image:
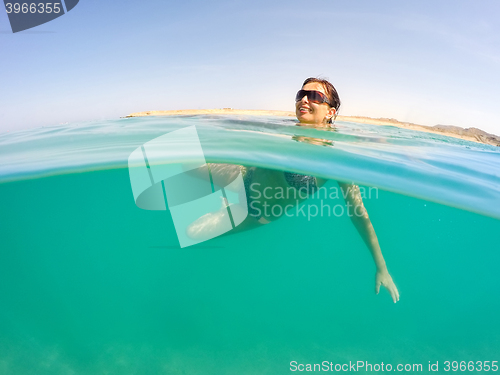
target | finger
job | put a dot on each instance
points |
(394, 293)
(394, 297)
(377, 287)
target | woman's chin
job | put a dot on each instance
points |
(304, 118)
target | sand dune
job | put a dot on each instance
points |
(469, 134)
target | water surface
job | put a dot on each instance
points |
(91, 284)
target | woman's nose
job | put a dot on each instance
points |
(304, 99)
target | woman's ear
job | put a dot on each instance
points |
(331, 113)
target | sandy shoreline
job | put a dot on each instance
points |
(469, 134)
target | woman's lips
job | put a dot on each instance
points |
(304, 110)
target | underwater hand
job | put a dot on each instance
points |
(383, 278)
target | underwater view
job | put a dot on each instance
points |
(91, 283)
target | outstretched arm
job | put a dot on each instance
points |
(360, 219)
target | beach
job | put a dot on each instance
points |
(468, 134)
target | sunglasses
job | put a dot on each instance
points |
(313, 96)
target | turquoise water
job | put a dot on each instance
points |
(91, 284)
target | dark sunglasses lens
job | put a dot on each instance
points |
(316, 96)
(312, 96)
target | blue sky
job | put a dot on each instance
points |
(427, 62)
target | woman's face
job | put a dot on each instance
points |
(313, 113)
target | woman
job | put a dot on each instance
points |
(317, 105)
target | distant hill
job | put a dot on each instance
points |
(469, 134)
(479, 134)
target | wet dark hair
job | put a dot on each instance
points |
(331, 93)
